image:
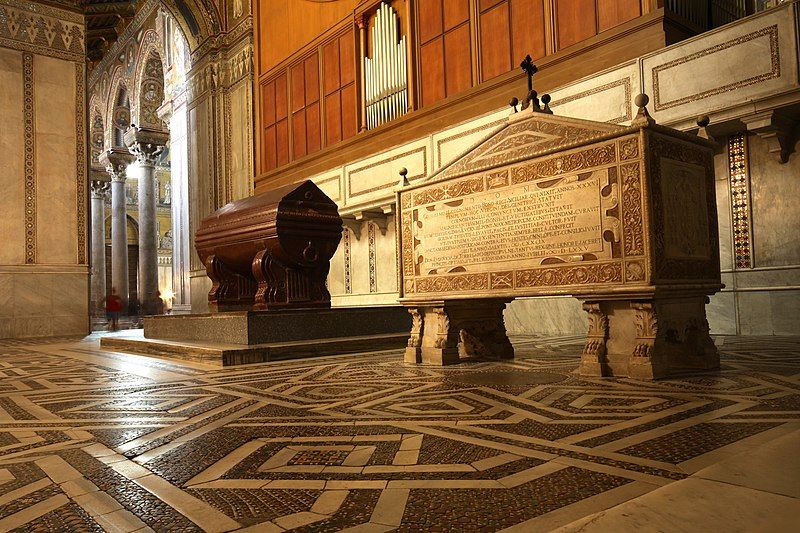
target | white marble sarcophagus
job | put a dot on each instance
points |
(622, 218)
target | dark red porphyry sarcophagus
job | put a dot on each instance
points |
(271, 250)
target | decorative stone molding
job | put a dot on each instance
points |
(777, 129)
(379, 216)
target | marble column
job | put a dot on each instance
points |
(173, 112)
(116, 162)
(147, 145)
(100, 189)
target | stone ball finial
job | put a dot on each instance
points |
(703, 121)
(641, 100)
(513, 102)
(545, 99)
(403, 171)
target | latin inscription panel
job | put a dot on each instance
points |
(513, 226)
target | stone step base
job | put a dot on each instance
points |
(241, 354)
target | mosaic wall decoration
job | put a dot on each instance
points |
(741, 216)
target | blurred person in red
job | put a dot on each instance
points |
(113, 309)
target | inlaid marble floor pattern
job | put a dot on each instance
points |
(92, 440)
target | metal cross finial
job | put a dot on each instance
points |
(530, 69)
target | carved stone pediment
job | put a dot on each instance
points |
(525, 136)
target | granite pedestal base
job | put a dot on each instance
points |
(258, 336)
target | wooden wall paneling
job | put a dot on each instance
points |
(457, 60)
(432, 76)
(349, 111)
(282, 119)
(333, 118)
(454, 13)
(495, 37)
(611, 13)
(409, 28)
(313, 128)
(576, 20)
(298, 95)
(429, 22)
(347, 52)
(299, 134)
(528, 32)
(330, 67)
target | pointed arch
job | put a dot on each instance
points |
(198, 19)
(118, 109)
(148, 82)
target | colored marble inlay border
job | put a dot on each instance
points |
(373, 258)
(30, 158)
(348, 285)
(740, 201)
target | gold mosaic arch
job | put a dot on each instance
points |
(118, 79)
(207, 19)
(151, 43)
(150, 47)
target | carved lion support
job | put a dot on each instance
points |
(444, 333)
(593, 358)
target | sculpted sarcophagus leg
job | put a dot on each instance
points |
(270, 251)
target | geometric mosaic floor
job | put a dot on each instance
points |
(93, 440)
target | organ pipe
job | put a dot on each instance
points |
(385, 73)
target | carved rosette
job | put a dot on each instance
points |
(646, 322)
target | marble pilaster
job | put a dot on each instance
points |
(116, 161)
(147, 144)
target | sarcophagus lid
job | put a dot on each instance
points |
(271, 250)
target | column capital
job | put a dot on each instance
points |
(100, 187)
(116, 161)
(145, 143)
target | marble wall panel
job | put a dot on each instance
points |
(606, 96)
(454, 142)
(373, 179)
(721, 313)
(6, 296)
(774, 190)
(12, 185)
(331, 184)
(56, 180)
(546, 316)
(200, 285)
(386, 260)
(723, 68)
(240, 168)
(770, 277)
(40, 303)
